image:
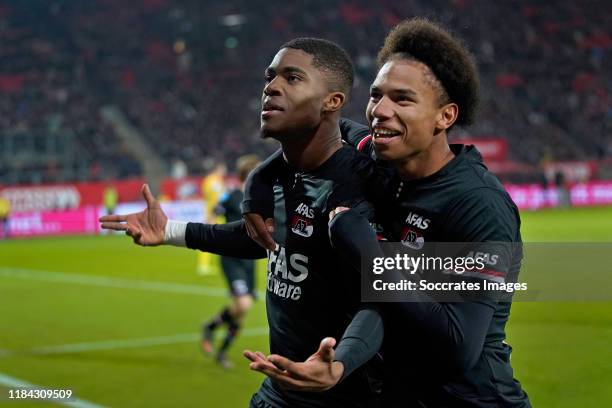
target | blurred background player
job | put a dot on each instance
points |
(5, 212)
(111, 197)
(240, 273)
(213, 188)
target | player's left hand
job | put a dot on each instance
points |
(318, 373)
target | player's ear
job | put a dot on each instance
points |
(334, 101)
(447, 115)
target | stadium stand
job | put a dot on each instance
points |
(188, 75)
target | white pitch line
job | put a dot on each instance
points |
(13, 382)
(113, 282)
(125, 343)
(115, 344)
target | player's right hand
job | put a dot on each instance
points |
(259, 230)
(318, 373)
(147, 228)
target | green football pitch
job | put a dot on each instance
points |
(119, 325)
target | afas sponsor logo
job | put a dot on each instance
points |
(489, 259)
(411, 236)
(296, 270)
(305, 211)
(301, 223)
(380, 231)
(286, 273)
(416, 220)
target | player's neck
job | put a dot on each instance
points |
(427, 162)
(310, 151)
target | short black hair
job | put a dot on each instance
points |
(330, 57)
(444, 54)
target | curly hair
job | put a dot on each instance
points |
(446, 56)
(329, 57)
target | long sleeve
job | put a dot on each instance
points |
(364, 335)
(458, 329)
(361, 340)
(229, 239)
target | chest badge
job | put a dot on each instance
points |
(302, 221)
(412, 238)
(302, 226)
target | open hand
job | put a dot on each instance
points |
(318, 373)
(147, 228)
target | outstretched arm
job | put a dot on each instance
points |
(229, 239)
(151, 227)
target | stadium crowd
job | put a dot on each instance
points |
(188, 74)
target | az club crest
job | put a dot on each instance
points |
(412, 239)
(301, 226)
